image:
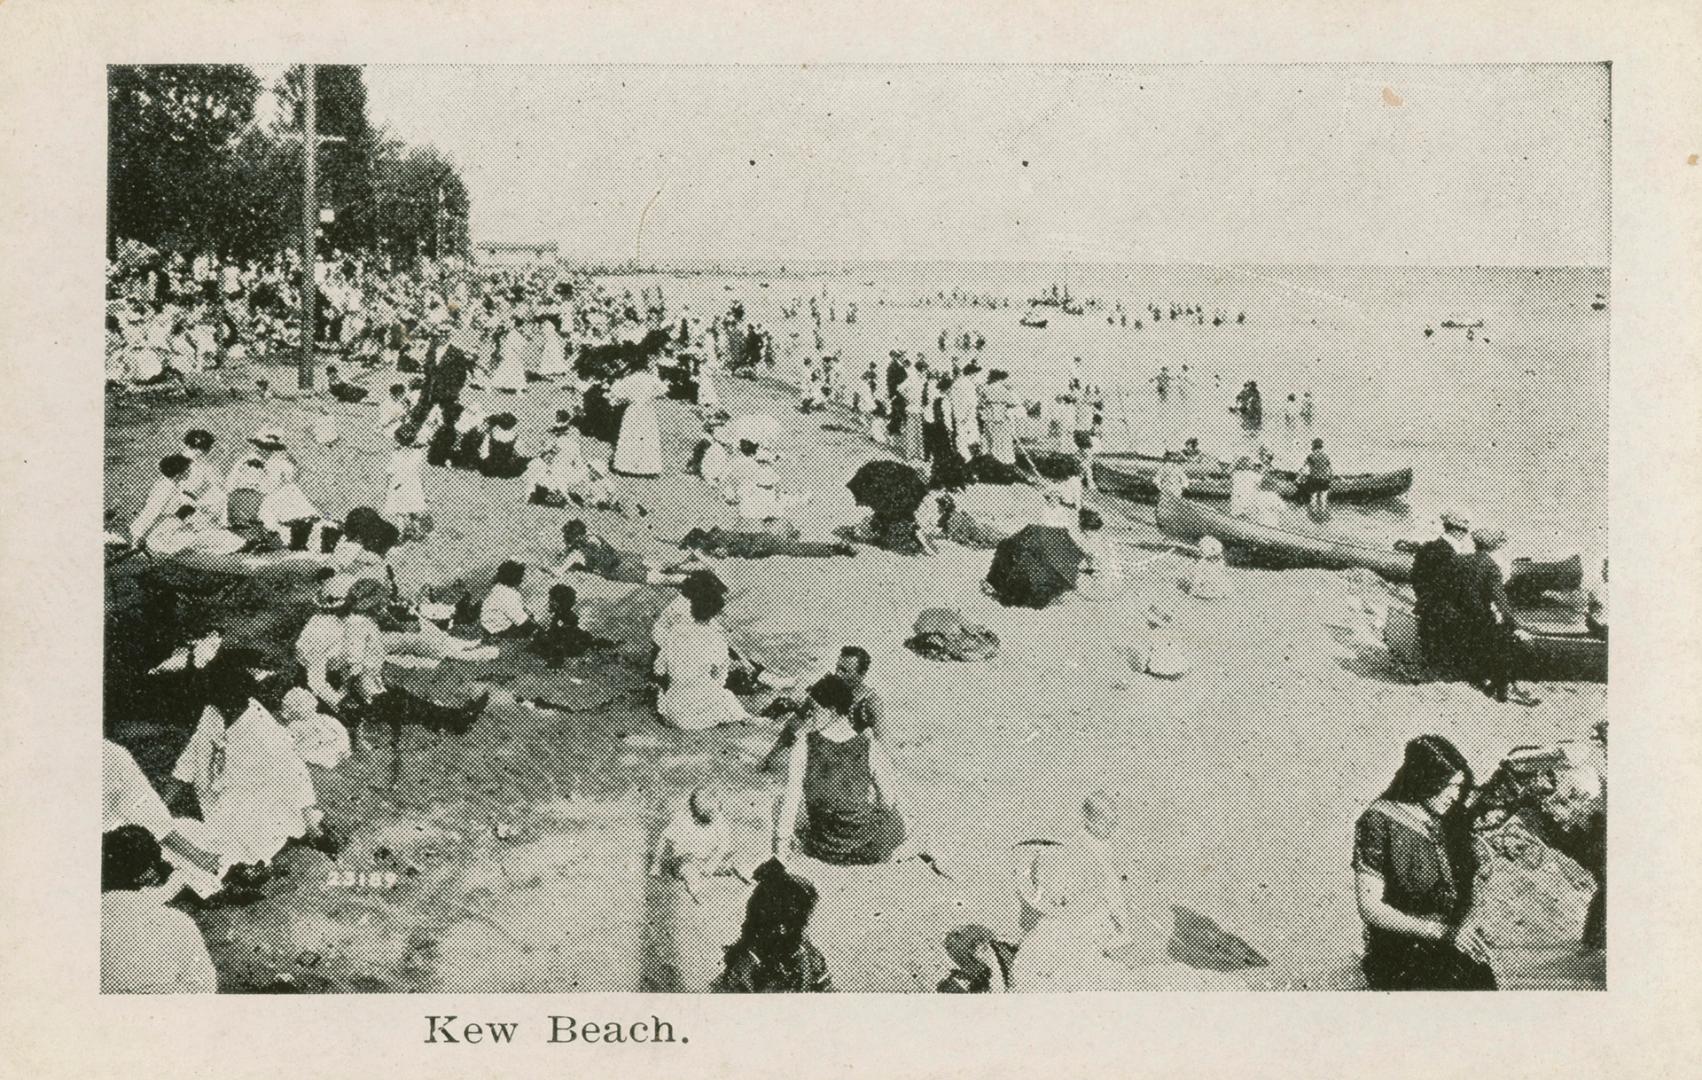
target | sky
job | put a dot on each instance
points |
(1294, 164)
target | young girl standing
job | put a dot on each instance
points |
(405, 499)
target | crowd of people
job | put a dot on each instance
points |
(417, 342)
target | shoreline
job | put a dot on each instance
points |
(1241, 780)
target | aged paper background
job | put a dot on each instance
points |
(52, 147)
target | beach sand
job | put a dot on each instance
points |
(519, 848)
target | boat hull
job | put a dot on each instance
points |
(1278, 547)
(1545, 657)
(1135, 476)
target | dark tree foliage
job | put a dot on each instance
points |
(170, 157)
(189, 170)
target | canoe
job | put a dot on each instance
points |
(1135, 476)
(1249, 543)
(1549, 656)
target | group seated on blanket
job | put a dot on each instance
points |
(891, 531)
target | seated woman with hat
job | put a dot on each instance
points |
(560, 475)
(184, 512)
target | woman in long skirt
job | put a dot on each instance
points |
(510, 374)
(638, 450)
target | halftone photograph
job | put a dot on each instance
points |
(963, 529)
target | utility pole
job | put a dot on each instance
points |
(309, 226)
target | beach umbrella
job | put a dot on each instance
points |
(1035, 565)
(889, 488)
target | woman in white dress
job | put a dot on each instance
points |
(638, 451)
(253, 787)
(511, 348)
(694, 658)
(185, 511)
(708, 398)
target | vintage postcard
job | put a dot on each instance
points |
(620, 532)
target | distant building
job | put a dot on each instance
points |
(494, 253)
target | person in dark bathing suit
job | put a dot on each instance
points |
(841, 799)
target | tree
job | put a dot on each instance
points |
(170, 137)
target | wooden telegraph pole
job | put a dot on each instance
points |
(309, 225)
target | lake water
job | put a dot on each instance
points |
(1512, 424)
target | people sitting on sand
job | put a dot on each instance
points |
(346, 392)
(129, 799)
(559, 637)
(694, 659)
(503, 615)
(841, 800)
(145, 946)
(591, 554)
(1078, 879)
(709, 460)
(966, 530)
(185, 512)
(1413, 861)
(339, 667)
(867, 712)
(253, 788)
(696, 846)
(319, 738)
(561, 475)
(364, 539)
(471, 430)
(773, 954)
(1210, 578)
(983, 962)
(501, 460)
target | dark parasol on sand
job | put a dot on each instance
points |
(889, 488)
(1034, 566)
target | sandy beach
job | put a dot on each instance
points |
(519, 848)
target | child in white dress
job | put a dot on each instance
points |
(404, 499)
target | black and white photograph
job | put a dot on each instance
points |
(880, 528)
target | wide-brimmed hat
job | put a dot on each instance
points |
(268, 438)
(1456, 519)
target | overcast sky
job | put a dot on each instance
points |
(1331, 164)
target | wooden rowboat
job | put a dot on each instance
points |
(1135, 477)
(1249, 543)
(1547, 656)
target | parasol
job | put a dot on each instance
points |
(1034, 566)
(889, 488)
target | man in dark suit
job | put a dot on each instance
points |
(1493, 636)
(1436, 592)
